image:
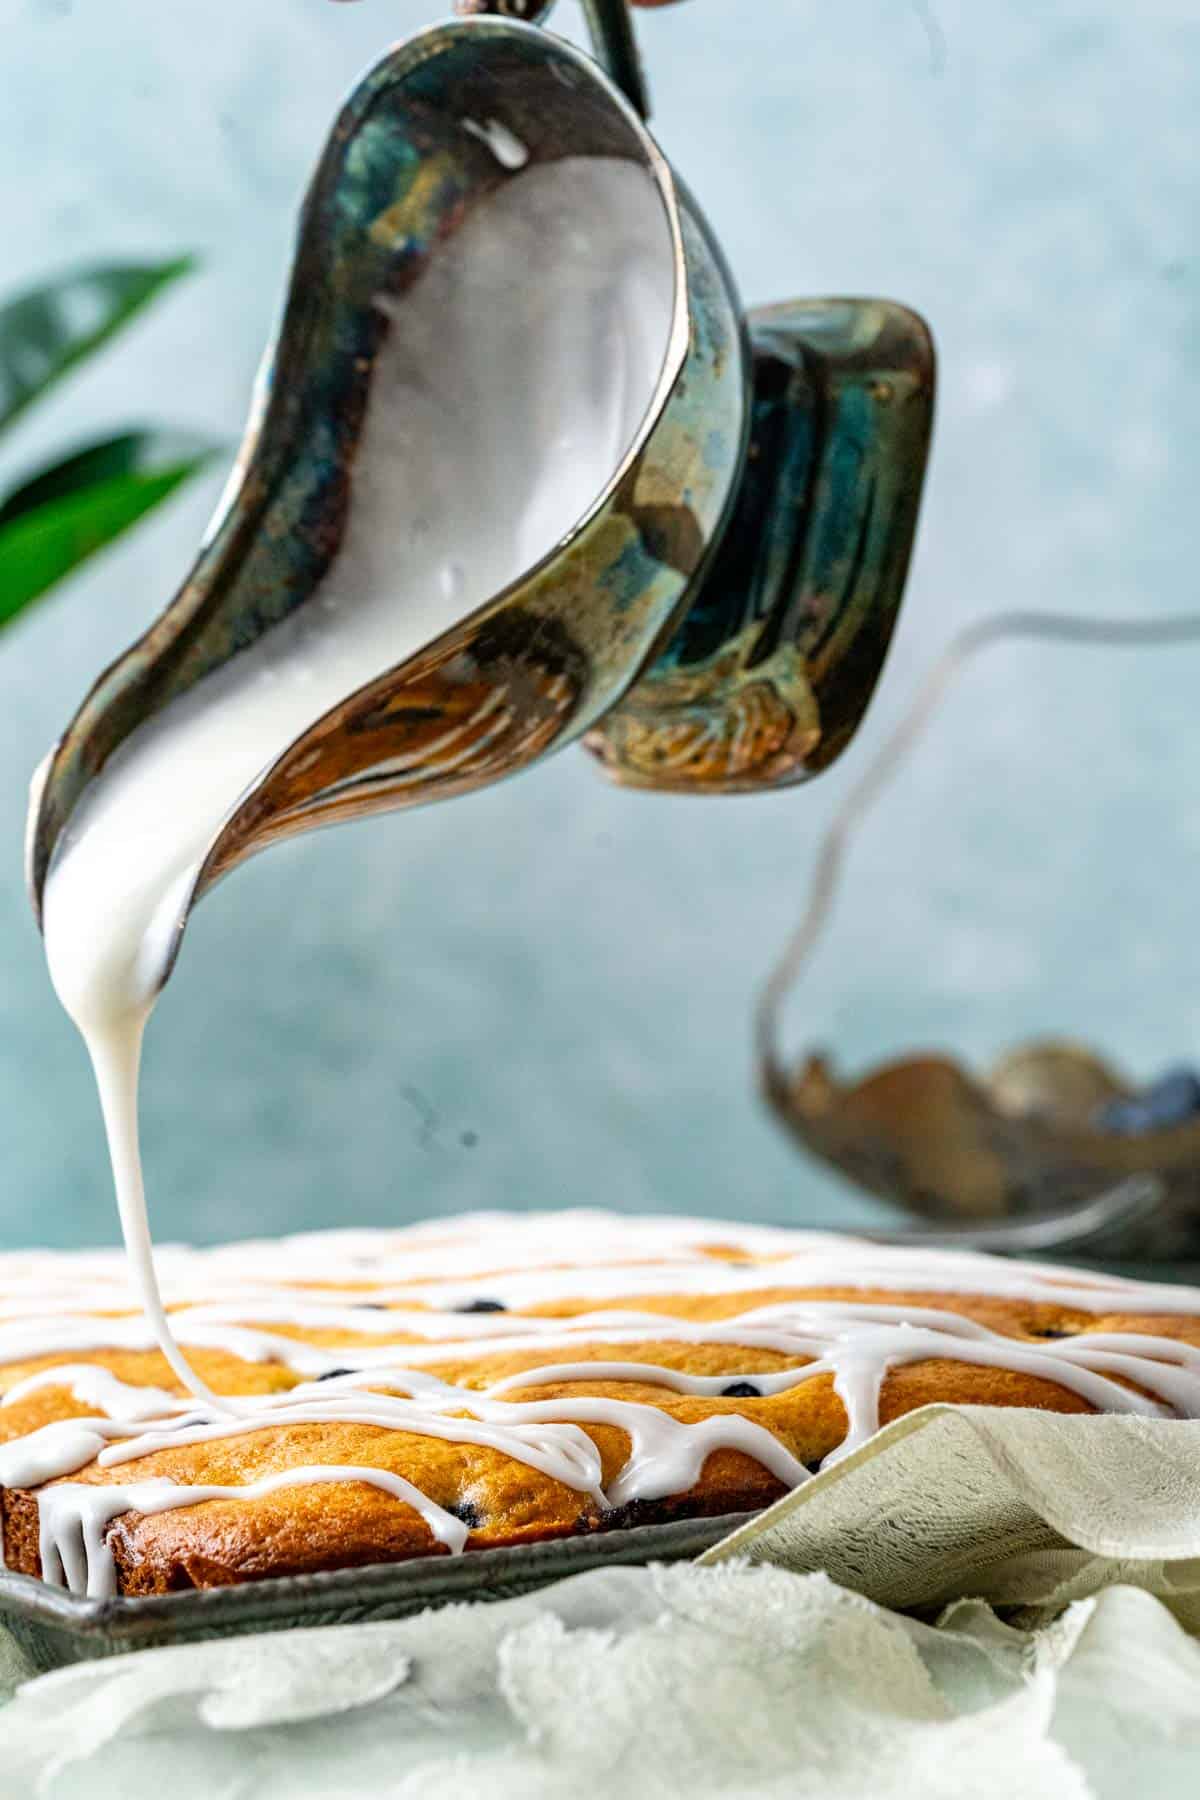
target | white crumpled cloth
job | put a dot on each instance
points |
(1025, 1509)
(741, 1677)
(655, 1682)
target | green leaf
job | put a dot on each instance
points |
(141, 452)
(64, 515)
(46, 331)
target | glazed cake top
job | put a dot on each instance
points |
(357, 1323)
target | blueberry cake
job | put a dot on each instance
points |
(368, 1396)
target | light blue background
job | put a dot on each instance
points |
(561, 968)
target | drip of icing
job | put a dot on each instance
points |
(115, 1050)
(75, 1516)
(493, 427)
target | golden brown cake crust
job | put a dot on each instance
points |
(500, 1499)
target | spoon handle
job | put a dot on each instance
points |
(1115, 1220)
(616, 50)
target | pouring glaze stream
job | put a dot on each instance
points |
(496, 448)
(502, 322)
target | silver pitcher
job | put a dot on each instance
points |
(716, 618)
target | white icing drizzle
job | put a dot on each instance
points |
(221, 1302)
(52, 1451)
(93, 1385)
(74, 1517)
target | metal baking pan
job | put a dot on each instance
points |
(52, 1628)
